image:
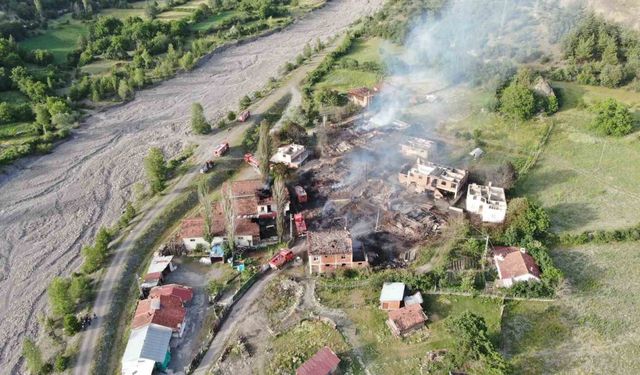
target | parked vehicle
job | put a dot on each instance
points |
(251, 160)
(221, 149)
(208, 165)
(244, 116)
(283, 257)
(301, 225)
(301, 194)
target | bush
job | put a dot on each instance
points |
(71, 324)
(517, 101)
(61, 363)
(612, 118)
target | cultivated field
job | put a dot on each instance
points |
(591, 330)
(60, 38)
(52, 205)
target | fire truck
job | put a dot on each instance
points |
(251, 160)
(221, 149)
(281, 258)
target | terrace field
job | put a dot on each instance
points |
(594, 322)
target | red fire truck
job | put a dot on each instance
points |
(281, 258)
(221, 149)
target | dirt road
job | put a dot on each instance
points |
(51, 205)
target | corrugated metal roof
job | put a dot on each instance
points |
(148, 342)
(392, 292)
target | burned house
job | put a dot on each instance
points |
(418, 148)
(487, 201)
(253, 199)
(426, 176)
(293, 155)
(331, 250)
(361, 96)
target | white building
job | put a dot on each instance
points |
(487, 201)
(292, 155)
(147, 349)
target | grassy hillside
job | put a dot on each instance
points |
(592, 330)
(586, 181)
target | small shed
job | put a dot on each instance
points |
(324, 362)
(217, 253)
(476, 153)
(391, 296)
(406, 320)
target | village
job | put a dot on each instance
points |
(353, 203)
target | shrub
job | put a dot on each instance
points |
(71, 324)
(612, 118)
(517, 101)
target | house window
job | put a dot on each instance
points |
(192, 239)
(316, 258)
(443, 182)
(454, 185)
(343, 265)
(343, 257)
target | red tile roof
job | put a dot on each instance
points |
(246, 227)
(512, 262)
(164, 310)
(192, 228)
(322, 363)
(408, 317)
(184, 293)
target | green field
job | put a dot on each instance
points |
(586, 181)
(136, 10)
(593, 329)
(301, 342)
(371, 50)
(60, 38)
(213, 20)
(100, 66)
(387, 354)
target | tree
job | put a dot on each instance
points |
(505, 175)
(207, 206)
(43, 118)
(151, 9)
(472, 341)
(281, 197)
(71, 324)
(124, 90)
(612, 118)
(32, 356)
(39, 8)
(518, 102)
(59, 299)
(611, 75)
(229, 216)
(526, 222)
(245, 102)
(79, 288)
(61, 363)
(156, 169)
(199, 123)
(187, 61)
(610, 52)
(264, 149)
(231, 116)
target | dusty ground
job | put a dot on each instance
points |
(195, 275)
(53, 204)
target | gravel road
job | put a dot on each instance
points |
(51, 205)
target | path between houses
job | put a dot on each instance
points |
(153, 210)
(228, 326)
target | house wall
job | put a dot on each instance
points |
(477, 205)
(244, 241)
(424, 183)
(507, 283)
(331, 263)
(390, 305)
(191, 243)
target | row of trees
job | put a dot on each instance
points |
(520, 101)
